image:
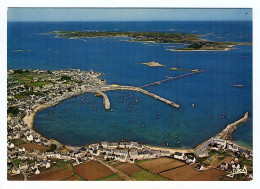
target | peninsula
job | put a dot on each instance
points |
(193, 42)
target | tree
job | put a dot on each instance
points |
(52, 148)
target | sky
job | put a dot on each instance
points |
(123, 14)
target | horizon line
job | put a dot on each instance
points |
(132, 21)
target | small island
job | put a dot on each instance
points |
(238, 85)
(153, 64)
(194, 43)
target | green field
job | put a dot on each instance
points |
(38, 84)
(17, 162)
(147, 176)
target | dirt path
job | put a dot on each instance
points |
(122, 175)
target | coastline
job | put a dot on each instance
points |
(29, 119)
(172, 150)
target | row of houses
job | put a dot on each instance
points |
(218, 144)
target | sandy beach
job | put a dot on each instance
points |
(28, 119)
(172, 150)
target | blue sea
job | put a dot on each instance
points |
(135, 116)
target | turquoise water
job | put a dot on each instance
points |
(135, 116)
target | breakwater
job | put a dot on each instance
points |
(106, 101)
(138, 89)
(172, 78)
(226, 133)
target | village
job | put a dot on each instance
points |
(32, 157)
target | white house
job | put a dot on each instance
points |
(57, 155)
(223, 166)
(95, 152)
(180, 156)
(50, 154)
(23, 166)
(22, 156)
(16, 136)
(79, 161)
(106, 150)
(216, 147)
(140, 146)
(236, 166)
(199, 167)
(117, 152)
(128, 145)
(166, 153)
(104, 144)
(112, 145)
(109, 156)
(21, 149)
(191, 160)
(46, 164)
(133, 144)
(157, 153)
(37, 139)
(232, 147)
(121, 158)
(10, 145)
(143, 154)
(121, 144)
(29, 137)
(133, 154)
(15, 171)
(36, 171)
(220, 142)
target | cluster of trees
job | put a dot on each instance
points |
(13, 110)
(52, 148)
(64, 77)
(20, 71)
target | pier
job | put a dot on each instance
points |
(106, 101)
(138, 89)
(172, 78)
(225, 134)
(101, 90)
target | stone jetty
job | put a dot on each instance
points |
(226, 133)
(138, 89)
(106, 101)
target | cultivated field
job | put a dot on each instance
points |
(32, 146)
(92, 170)
(209, 175)
(161, 164)
(56, 174)
(114, 177)
(72, 178)
(144, 175)
(14, 177)
(128, 168)
(181, 173)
